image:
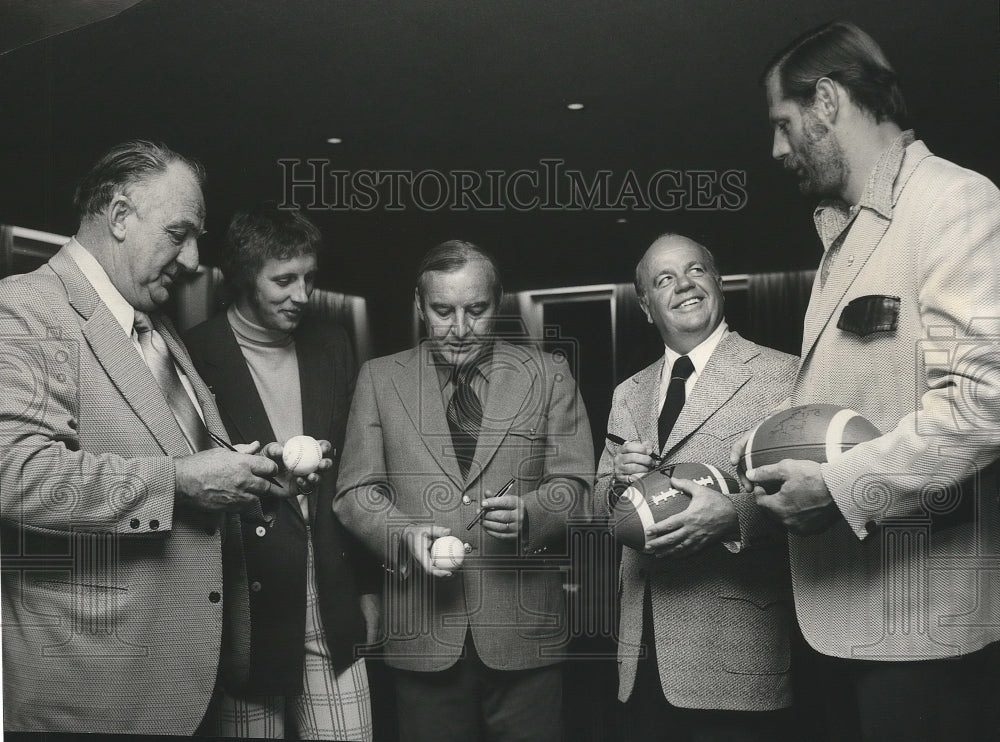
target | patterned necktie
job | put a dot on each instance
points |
(675, 397)
(161, 363)
(465, 418)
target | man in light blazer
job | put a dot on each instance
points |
(434, 433)
(112, 507)
(894, 546)
(704, 630)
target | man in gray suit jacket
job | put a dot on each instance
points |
(434, 432)
(112, 510)
(704, 632)
(895, 545)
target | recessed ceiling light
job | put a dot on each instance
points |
(621, 220)
(334, 140)
(574, 106)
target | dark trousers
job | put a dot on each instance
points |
(650, 716)
(921, 701)
(469, 702)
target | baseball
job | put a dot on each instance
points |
(448, 552)
(301, 455)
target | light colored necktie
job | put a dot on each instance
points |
(161, 363)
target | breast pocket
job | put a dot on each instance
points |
(527, 447)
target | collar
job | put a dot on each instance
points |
(256, 334)
(833, 216)
(700, 354)
(94, 272)
(478, 366)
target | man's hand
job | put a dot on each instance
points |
(803, 504)
(709, 519)
(632, 459)
(505, 516)
(303, 485)
(220, 480)
(418, 539)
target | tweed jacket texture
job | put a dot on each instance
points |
(910, 571)
(721, 620)
(399, 467)
(112, 597)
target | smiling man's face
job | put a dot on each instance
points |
(682, 291)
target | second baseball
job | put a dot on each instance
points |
(301, 454)
(448, 552)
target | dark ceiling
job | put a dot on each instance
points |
(476, 86)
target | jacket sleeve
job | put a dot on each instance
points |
(48, 483)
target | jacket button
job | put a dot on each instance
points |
(255, 586)
(261, 531)
(466, 500)
(134, 523)
(214, 597)
(468, 547)
(154, 524)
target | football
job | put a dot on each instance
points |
(815, 432)
(651, 498)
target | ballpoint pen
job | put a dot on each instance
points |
(222, 442)
(479, 516)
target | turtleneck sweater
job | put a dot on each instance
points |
(274, 366)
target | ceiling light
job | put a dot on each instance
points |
(334, 140)
(574, 106)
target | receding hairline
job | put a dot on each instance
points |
(706, 254)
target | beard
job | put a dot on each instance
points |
(820, 162)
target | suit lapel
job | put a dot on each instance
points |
(416, 382)
(317, 369)
(724, 374)
(119, 358)
(239, 398)
(205, 399)
(642, 399)
(864, 236)
(510, 381)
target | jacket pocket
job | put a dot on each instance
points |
(867, 315)
(754, 634)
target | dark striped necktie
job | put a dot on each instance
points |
(674, 401)
(465, 418)
(161, 363)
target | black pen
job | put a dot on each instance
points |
(479, 517)
(222, 442)
(657, 459)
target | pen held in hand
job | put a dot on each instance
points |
(482, 513)
(225, 444)
(618, 440)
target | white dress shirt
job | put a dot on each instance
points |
(699, 356)
(119, 307)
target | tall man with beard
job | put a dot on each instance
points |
(894, 546)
